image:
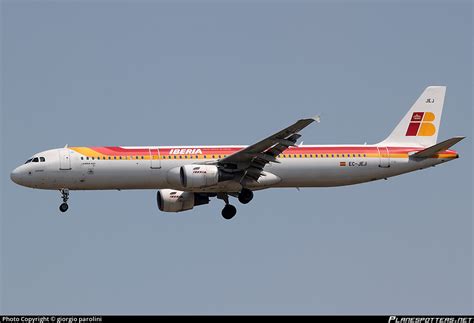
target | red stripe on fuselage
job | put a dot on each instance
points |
(120, 151)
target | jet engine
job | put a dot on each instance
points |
(177, 201)
(197, 176)
(194, 176)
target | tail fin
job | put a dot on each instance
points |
(420, 125)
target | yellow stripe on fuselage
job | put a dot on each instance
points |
(88, 152)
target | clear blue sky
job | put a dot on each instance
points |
(186, 73)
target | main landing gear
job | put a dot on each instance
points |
(65, 196)
(245, 196)
(229, 211)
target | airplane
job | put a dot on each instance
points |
(188, 176)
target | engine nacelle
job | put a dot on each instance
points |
(195, 176)
(177, 201)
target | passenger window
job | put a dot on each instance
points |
(82, 158)
(42, 159)
(87, 158)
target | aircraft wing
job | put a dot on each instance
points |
(253, 158)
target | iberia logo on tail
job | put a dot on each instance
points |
(421, 124)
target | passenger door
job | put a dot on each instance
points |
(384, 157)
(64, 159)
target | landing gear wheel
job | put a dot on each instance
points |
(65, 197)
(63, 207)
(229, 211)
(245, 196)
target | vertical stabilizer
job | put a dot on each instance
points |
(420, 125)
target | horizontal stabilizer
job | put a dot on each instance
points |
(433, 150)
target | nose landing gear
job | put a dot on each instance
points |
(65, 196)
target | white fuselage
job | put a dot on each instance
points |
(81, 168)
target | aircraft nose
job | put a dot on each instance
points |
(16, 175)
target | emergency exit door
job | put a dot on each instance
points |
(155, 158)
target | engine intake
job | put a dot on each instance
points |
(178, 201)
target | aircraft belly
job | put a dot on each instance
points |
(329, 172)
(293, 173)
(115, 175)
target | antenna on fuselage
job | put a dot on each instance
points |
(65, 146)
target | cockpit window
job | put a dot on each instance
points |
(29, 160)
(42, 159)
(35, 160)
